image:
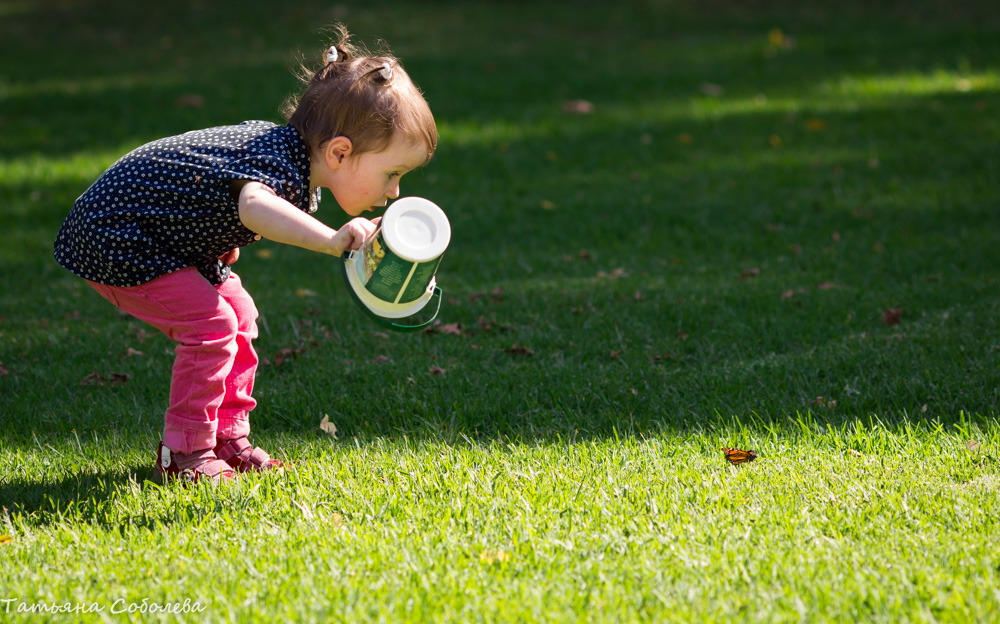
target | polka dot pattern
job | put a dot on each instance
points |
(167, 205)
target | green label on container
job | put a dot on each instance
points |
(421, 277)
(391, 278)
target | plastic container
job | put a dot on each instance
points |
(392, 275)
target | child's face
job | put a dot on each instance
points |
(363, 182)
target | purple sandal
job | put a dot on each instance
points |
(244, 457)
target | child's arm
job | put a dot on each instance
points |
(263, 212)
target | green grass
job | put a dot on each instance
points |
(704, 260)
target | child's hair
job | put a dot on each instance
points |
(368, 99)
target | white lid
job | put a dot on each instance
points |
(415, 229)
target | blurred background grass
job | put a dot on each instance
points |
(665, 214)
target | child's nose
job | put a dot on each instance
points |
(394, 192)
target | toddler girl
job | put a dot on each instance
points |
(157, 233)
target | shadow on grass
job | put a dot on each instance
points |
(86, 493)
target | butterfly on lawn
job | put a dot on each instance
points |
(737, 456)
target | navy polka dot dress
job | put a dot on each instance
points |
(167, 205)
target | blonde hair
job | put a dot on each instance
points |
(367, 98)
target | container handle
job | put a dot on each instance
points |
(409, 328)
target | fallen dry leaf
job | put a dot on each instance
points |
(659, 358)
(578, 107)
(815, 124)
(452, 329)
(615, 274)
(826, 286)
(548, 205)
(304, 292)
(94, 379)
(286, 353)
(6, 539)
(378, 359)
(328, 427)
(3, 370)
(892, 316)
(711, 89)
(517, 349)
(436, 370)
(132, 352)
(264, 254)
(972, 445)
(754, 272)
(191, 100)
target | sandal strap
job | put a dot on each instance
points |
(240, 454)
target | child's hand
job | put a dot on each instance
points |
(230, 256)
(353, 234)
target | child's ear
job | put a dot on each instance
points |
(336, 151)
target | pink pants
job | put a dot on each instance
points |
(215, 363)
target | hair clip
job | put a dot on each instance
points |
(332, 55)
(386, 71)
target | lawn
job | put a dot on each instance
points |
(677, 226)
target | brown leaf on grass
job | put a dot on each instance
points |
(190, 100)
(826, 286)
(578, 107)
(476, 295)
(585, 255)
(452, 329)
(711, 89)
(754, 272)
(892, 316)
(638, 296)
(133, 352)
(95, 379)
(436, 370)
(614, 274)
(517, 349)
(4, 370)
(285, 354)
(972, 445)
(822, 402)
(816, 124)
(382, 335)
(497, 294)
(486, 324)
(379, 359)
(615, 354)
(328, 427)
(659, 358)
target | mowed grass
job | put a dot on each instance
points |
(705, 259)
